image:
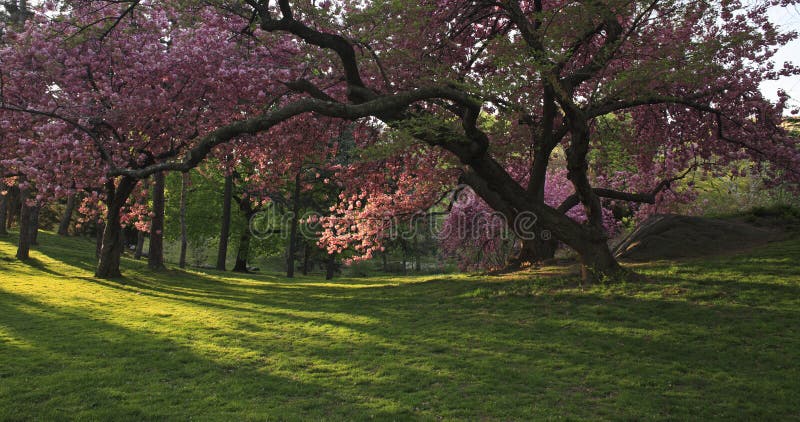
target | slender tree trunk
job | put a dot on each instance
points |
(34, 225)
(13, 208)
(292, 248)
(3, 213)
(141, 235)
(405, 260)
(385, 261)
(137, 253)
(330, 267)
(184, 240)
(99, 239)
(244, 248)
(306, 257)
(63, 226)
(243, 252)
(111, 249)
(155, 255)
(416, 256)
(24, 246)
(225, 227)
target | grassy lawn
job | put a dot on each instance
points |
(714, 338)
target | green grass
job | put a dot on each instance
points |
(715, 338)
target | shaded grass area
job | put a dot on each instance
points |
(713, 338)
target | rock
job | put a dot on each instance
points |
(669, 236)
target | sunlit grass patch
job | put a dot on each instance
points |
(711, 338)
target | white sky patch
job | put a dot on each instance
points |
(788, 19)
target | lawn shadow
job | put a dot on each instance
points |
(679, 346)
(69, 353)
(37, 264)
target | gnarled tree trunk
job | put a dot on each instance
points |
(490, 181)
(597, 262)
(540, 246)
(534, 251)
(111, 248)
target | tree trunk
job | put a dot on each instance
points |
(493, 184)
(306, 257)
(537, 249)
(533, 251)
(330, 267)
(111, 249)
(155, 254)
(225, 227)
(34, 225)
(244, 249)
(137, 253)
(123, 236)
(3, 213)
(416, 255)
(99, 229)
(24, 246)
(405, 260)
(184, 240)
(598, 263)
(292, 247)
(63, 226)
(385, 261)
(13, 207)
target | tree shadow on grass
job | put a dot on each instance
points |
(37, 264)
(632, 352)
(481, 355)
(616, 338)
(60, 362)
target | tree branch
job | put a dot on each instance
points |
(338, 44)
(645, 197)
(388, 105)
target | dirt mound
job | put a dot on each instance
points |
(671, 236)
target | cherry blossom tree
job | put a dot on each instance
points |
(80, 99)
(558, 70)
(443, 76)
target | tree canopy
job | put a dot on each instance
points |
(524, 102)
